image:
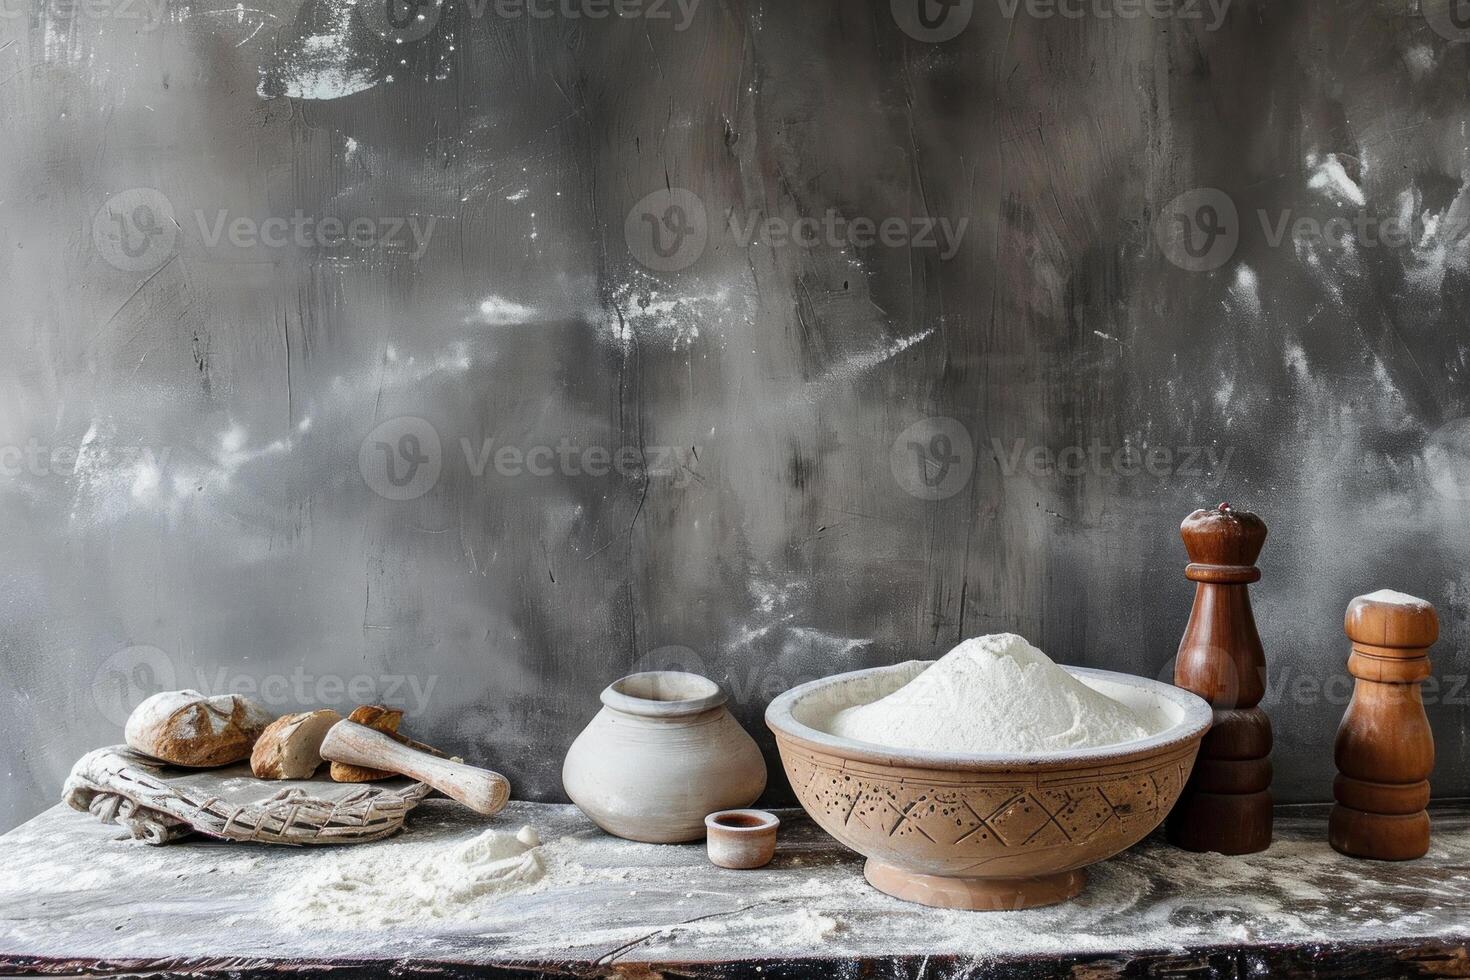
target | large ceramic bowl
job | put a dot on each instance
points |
(984, 831)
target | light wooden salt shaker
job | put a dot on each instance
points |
(1385, 749)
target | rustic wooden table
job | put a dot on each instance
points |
(76, 900)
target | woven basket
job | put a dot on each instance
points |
(158, 803)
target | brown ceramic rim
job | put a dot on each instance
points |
(1194, 723)
(616, 695)
(767, 821)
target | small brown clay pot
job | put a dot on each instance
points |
(741, 839)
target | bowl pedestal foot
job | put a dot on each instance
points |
(977, 894)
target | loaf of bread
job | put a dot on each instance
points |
(291, 746)
(186, 728)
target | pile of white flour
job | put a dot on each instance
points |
(1391, 597)
(385, 885)
(994, 693)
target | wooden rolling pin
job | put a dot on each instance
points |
(479, 789)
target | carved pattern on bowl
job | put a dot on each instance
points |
(961, 820)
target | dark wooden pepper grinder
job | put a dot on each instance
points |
(1226, 805)
(1385, 749)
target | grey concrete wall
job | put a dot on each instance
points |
(769, 459)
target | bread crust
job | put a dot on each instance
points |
(186, 728)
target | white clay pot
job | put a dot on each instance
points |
(663, 752)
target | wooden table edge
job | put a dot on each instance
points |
(1416, 956)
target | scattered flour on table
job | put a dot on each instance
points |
(808, 927)
(198, 898)
(416, 883)
(993, 693)
(379, 886)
